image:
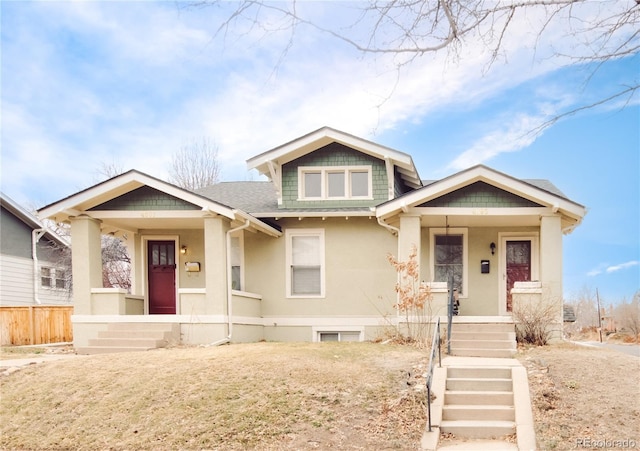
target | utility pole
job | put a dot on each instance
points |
(599, 315)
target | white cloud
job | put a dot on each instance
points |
(621, 266)
(605, 268)
(137, 80)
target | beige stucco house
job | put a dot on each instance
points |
(302, 256)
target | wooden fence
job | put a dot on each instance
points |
(35, 325)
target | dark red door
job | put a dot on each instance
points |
(518, 265)
(162, 277)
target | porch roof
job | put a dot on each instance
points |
(86, 201)
(542, 192)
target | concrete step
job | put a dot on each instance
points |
(478, 428)
(151, 333)
(478, 372)
(471, 352)
(483, 344)
(483, 384)
(128, 342)
(91, 350)
(461, 335)
(482, 327)
(170, 327)
(479, 412)
(478, 398)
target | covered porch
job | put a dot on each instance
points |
(500, 239)
(186, 260)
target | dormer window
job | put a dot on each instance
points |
(335, 182)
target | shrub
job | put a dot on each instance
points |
(414, 299)
(534, 320)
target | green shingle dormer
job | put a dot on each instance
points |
(146, 198)
(334, 176)
(480, 195)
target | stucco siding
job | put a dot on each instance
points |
(482, 294)
(359, 280)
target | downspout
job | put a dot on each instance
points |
(36, 234)
(227, 339)
(395, 231)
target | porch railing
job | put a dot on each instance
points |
(435, 345)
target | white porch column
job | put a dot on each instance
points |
(86, 261)
(215, 251)
(551, 263)
(409, 236)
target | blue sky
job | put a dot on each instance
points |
(86, 83)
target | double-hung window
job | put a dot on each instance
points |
(236, 262)
(305, 263)
(53, 277)
(449, 257)
(343, 182)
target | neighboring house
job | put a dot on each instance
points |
(303, 256)
(31, 260)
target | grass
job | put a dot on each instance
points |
(251, 396)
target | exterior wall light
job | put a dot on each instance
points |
(492, 246)
(183, 250)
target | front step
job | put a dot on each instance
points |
(486, 398)
(479, 412)
(474, 384)
(478, 429)
(129, 337)
(493, 340)
(489, 353)
(478, 402)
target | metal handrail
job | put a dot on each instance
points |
(450, 315)
(435, 344)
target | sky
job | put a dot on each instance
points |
(87, 84)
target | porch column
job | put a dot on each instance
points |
(215, 251)
(551, 262)
(86, 261)
(409, 236)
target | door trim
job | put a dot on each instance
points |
(144, 245)
(503, 237)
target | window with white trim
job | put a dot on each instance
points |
(343, 182)
(339, 336)
(449, 257)
(236, 262)
(53, 278)
(305, 263)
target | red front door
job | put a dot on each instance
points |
(518, 265)
(162, 277)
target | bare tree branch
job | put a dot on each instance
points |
(195, 165)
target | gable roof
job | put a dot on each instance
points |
(84, 202)
(30, 220)
(312, 141)
(539, 191)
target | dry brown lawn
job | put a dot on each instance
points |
(584, 397)
(252, 396)
(275, 396)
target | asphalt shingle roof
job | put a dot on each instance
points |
(252, 197)
(256, 197)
